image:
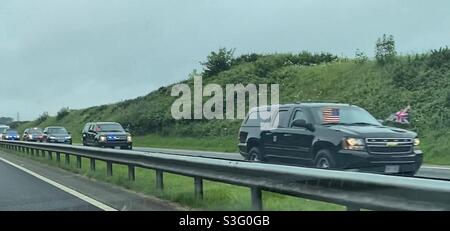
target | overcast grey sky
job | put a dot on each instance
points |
(80, 53)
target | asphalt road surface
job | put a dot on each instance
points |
(22, 191)
(28, 185)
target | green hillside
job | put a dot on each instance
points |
(423, 81)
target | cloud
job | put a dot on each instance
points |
(80, 53)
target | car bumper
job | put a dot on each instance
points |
(364, 161)
(60, 141)
(116, 144)
(11, 139)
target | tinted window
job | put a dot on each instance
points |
(11, 131)
(281, 118)
(300, 115)
(343, 115)
(110, 127)
(57, 131)
(35, 131)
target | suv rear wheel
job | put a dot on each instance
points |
(325, 160)
(255, 155)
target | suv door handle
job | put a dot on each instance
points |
(287, 135)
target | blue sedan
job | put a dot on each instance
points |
(10, 134)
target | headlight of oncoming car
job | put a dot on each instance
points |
(416, 141)
(102, 138)
(129, 138)
(353, 144)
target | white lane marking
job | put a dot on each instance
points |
(433, 167)
(83, 197)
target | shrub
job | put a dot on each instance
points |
(63, 112)
(217, 62)
(42, 118)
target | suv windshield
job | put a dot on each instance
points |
(57, 131)
(110, 127)
(348, 115)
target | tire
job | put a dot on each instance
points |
(255, 155)
(325, 160)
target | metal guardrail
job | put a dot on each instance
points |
(352, 189)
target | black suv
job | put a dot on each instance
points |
(106, 134)
(56, 134)
(328, 135)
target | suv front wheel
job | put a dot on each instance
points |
(255, 155)
(325, 160)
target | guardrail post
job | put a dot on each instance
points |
(50, 155)
(198, 185)
(131, 173)
(78, 161)
(92, 160)
(28, 151)
(159, 180)
(32, 151)
(353, 208)
(109, 171)
(256, 194)
(67, 159)
(58, 157)
(42, 153)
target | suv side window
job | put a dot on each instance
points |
(299, 114)
(282, 116)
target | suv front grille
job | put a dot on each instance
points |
(389, 145)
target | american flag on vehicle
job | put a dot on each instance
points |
(330, 115)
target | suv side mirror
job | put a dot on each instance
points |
(127, 129)
(301, 123)
(380, 121)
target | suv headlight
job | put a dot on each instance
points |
(353, 144)
(129, 138)
(416, 141)
(102, 138)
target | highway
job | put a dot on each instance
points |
(22, 191)
(27, 185)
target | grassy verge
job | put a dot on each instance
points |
(218, 144)
(217, 196)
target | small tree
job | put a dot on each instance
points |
(218, 62)
(360, 56)
(385, 49)
(62, 113)
(42, 118)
